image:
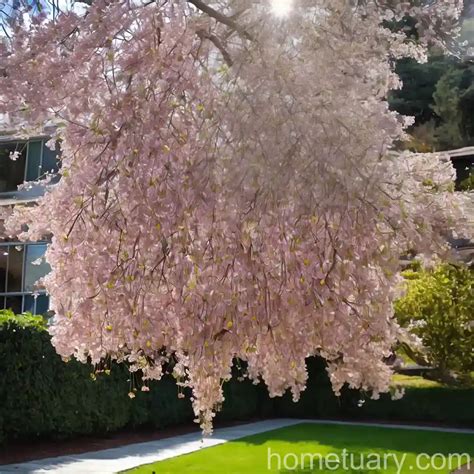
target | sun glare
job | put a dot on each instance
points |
(281, 8)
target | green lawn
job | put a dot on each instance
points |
(413, 381)
(250, 455)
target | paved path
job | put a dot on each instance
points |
(111, 461)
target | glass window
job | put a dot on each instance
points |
(34, 160)
(29, 303)
(35, 265)
(3, 270)
(15, 268)
(21, 266)
(42, 304)
(33, 170)
(36, 304)
(14, 303)
(12, 172)
(50, 159)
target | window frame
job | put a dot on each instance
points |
(42, 140)
(3, 292)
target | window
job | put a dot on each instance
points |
(464, 166)
(12, 172)
(21, 266)
(35, 265)
(34, 159)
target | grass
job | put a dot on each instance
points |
(405, 357)
(414, 381)
(249, 455)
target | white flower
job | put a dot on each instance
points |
(14, 155)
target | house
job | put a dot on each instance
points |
(22, 264)
(463, 162)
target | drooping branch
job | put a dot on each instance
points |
(218, 44)
(221, 18)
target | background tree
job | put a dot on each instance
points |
(415, 98)
(438, 94)
(453, 102)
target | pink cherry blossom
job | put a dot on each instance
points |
(228, 187)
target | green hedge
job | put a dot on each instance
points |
(451, 406)
(43, 397)
(443, 405)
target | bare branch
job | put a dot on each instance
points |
(218, 44)
(199, 4)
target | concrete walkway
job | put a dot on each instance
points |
(110, 461)
(113, 460)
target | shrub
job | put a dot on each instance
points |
(444, 405)
(438, 308)
(42, 396)
(468, 183)
(422, 403)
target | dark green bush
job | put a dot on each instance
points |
(317, 401)
(43, 397)
(443, 405)
(243, 399)
(161, 405)
(467, 184)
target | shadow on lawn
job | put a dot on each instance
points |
(366, 438)
(315, 470)
(354, 466)
(359, 442)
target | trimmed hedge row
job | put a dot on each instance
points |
(442, 405)
(43, 397)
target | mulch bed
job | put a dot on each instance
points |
(40, 449)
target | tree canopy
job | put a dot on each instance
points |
(439, 95)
